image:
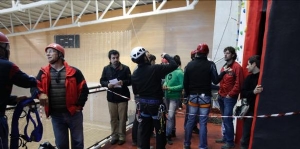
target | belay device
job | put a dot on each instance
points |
(36, 134)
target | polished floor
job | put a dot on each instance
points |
(214, 132)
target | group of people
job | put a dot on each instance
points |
(196, 82)
(63, 92)
(199, 75)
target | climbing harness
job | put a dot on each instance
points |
(36, 134)
(161, 118)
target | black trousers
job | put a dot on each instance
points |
(135, 130)
(147, 124)
(246, 132)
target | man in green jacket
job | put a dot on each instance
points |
(173, 86)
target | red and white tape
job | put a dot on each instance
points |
(259, 116)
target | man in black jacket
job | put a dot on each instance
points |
(250, 89)
(198, 76)
(146, 85)
(10, 74)
(116, 77)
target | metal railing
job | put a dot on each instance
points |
(96, 121)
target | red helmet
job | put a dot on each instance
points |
(3, 38)
(202, 49)
(56, 47)
(164, 61)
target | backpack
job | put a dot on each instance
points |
(37, 132)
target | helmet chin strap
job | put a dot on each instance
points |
(5, 51)
(59, 57)
(147, 60)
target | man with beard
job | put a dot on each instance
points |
(63, 93)
(116, 77)
(230, 87)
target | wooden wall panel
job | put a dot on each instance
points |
(175, 33)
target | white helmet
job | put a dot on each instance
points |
(137, 52)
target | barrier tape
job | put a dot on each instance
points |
(258, 116)
(116, 93)
(219, 116)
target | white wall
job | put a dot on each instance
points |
(225, 29)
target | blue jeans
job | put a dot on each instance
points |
(172, 106)
(226, 108)
(62, 122)
(203, 117)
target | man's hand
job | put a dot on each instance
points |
(120, 82)
(227, 69)
(164, 87)
(163, 55)
(78, 109)
(110, 85)
(258, 89)
(43, 99)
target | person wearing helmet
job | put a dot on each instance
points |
(10, 75)
(117, 105)
(197, 80)
(195, 128)
(152, 59)
(146, 86)
(63, 93)
(230, 87)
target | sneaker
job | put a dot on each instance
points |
(220, 141)
(186, 147)
(227, 146)
(169, 140)
(121, 142)
(114, 141)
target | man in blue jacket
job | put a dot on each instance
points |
(10, 74)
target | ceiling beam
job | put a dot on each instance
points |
(21, 7)
(100, 19)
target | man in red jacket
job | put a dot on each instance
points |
(230, 87)
(63, 92)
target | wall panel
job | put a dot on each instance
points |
(175, 33)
